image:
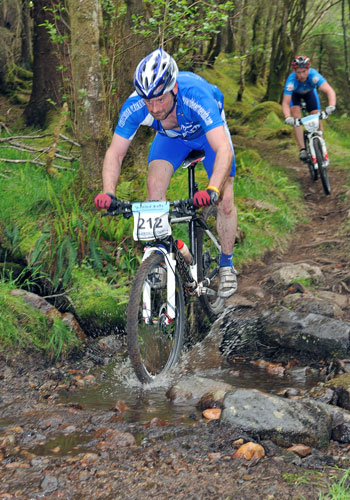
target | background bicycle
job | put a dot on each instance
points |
(315, 146)
(169, 275)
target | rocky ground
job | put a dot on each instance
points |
(53, 450)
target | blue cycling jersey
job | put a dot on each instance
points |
(198, 110)
(314, 80)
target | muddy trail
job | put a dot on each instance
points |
(50, 448)
(317, 241)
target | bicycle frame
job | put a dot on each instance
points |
(172, 256)
(311, 124)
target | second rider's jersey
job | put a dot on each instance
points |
(314, 80)
(198, 109)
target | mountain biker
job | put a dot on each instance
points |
(302, 84)
(187, 113)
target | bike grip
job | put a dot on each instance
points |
(114, 203)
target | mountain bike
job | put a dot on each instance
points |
(156, 317)
(315, 146)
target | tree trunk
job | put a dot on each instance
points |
(254, 71)
(27, 48)
(280, 56)
(346, 55)
(90, 119)
(47, 81)
(242, 48)
(214, 50)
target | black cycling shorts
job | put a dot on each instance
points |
(311, 99)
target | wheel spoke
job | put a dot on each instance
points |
(155, 338)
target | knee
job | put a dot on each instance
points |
(226, 206)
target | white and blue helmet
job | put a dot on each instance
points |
(155, 75)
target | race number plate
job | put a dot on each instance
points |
(151, 220)
(311, 122)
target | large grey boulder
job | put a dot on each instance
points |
(283, 421)
(311, 334)
(194, 388)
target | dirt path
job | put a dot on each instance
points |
(112, 459)
(319, 240)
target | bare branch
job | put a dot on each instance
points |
(34, 162)
(70, 140)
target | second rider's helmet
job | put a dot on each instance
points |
(301, 62)
(155, 75)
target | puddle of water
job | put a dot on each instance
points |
(62, 445)
(145, 402)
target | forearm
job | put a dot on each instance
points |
(332, 98)
(222, 168)
(286, 109)
(110, 172)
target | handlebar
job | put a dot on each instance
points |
(124, 208)
(323, 115)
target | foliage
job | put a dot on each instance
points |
(181, 26)
(98, 300)
(338, 489)
(51, 226)
(268, 225)
(22, 327)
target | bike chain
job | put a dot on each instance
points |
(188, 283)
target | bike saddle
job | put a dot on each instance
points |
(193, 157)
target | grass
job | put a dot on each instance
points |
(23, 327)
(338, 488)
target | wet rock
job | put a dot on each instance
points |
(110, 344)
(301, 450)
(284, 273)
(49, 484)
(308, 333)
(341, 385)
(340, 300)
(46, 308)
(240, 301)
(308, 304)
(281, 420)
(304, 374)
(72, 323)
(196, 387)
(114, 440)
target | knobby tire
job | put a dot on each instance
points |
(208, 257)
(313, 171)
(156, 347)
(323, 170)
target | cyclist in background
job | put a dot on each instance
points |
(187, 113)
(302, 84)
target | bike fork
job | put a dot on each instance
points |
(324, 152)
(170, 263)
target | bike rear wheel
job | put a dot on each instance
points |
(154, 341)
(313, 171)
(322, 168)
(208, 259)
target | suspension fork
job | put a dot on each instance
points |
(324, 149)
(170, 263)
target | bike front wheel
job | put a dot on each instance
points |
(208, 259)
(154, 339)
(312, 170)
(322, 168)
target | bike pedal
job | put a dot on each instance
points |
(209, 291)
